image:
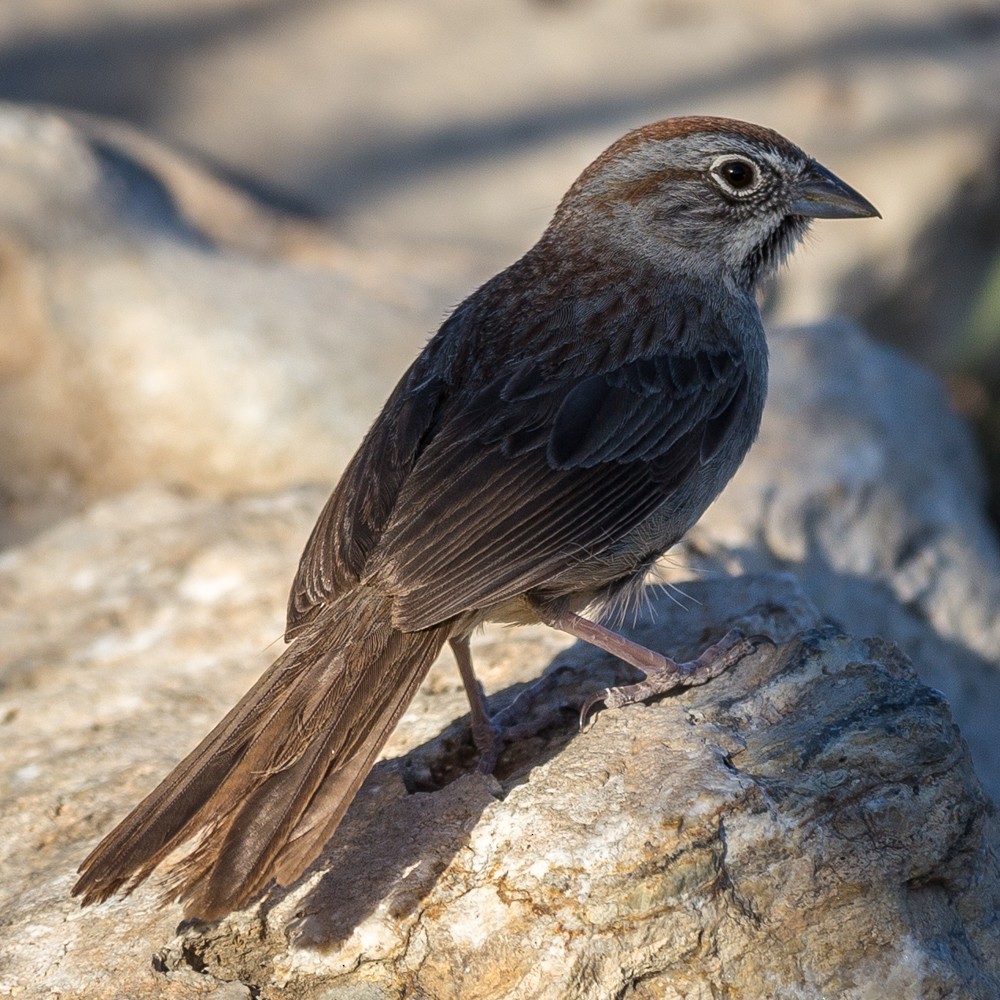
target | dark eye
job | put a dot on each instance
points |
(736, 174)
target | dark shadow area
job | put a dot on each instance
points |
(124, 69)
(925, 312)
(414, 814)
(142, 197)
(928, 311)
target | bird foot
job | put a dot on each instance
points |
(667, 674)
(492, 734)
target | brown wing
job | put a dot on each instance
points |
(529, 476)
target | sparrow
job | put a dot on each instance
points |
(566, 425)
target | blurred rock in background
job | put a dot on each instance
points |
(157, 325)
(462, 122)
(944, 309)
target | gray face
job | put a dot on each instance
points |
(713, 203)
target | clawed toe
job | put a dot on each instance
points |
(716, 659)
(526, 716)
(586, 707)
(490, 740)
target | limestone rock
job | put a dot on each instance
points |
(807, 825)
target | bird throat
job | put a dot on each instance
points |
(766, 257)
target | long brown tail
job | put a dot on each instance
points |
(263, 792)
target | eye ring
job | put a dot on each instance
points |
(737, 175)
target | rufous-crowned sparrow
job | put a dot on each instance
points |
(566, 425)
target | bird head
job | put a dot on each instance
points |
(706, 197)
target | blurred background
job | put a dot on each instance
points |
(286, 179)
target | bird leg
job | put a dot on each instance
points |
(486, 734)
(491, 733)
(662, 673)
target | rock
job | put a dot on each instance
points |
(869, 489)
(163, 610)
(809, 821)
(159, 326)
(818, 797)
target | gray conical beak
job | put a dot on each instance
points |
(822, 195)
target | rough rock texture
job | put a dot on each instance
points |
(818, 797)
(868, 487)
(126, 633)
(808, 825)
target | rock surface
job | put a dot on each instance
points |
(817, 795)
(869, 489)
(807, 826)
(127, 631)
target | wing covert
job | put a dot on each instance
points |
(525, 479)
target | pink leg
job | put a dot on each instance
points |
(491, 733)
(662, 673)
(486, 734)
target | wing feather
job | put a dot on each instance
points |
(479, 520)
(352, 520)
(469, 490)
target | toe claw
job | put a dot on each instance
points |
(729, 650)
(488, 761)
(590, 703)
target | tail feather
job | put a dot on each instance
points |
(264, 791)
